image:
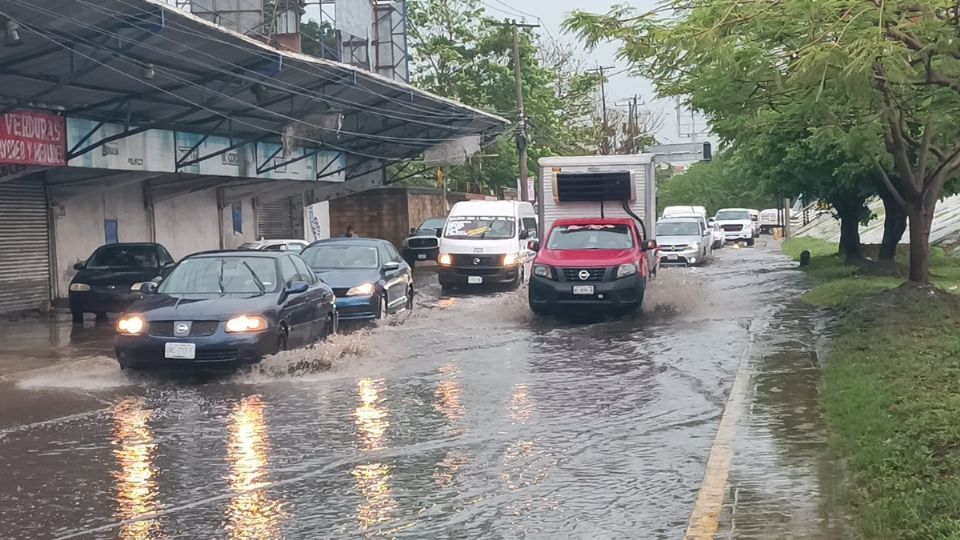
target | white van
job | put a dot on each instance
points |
(485, 242)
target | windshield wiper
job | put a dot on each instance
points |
(256, 278)
(220, 279)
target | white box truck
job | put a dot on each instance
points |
(598, 186)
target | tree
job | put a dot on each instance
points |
(886, 74)
(458, 52)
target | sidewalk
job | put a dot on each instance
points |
(782, 478)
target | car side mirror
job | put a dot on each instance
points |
(297, 287)
(391, 266)
(524, 234)
(650, 245)
(533, 245)
(78, 266)
(147, 287)
(439, 233)
(412, 230)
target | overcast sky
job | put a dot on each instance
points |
(552, 13)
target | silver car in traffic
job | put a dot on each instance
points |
(683, 241)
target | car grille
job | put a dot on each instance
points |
(477, 260)
(732, 228)
(573, 274)
(197, 328)
(671, 249)
(422, 242)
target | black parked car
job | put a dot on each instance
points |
(367, 275)
(224, 309)
(103, 283)
(422, 244)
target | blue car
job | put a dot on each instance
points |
(368, 276)
(223, 309)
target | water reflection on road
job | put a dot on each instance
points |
(469, 418)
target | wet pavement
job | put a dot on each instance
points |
(467, 419)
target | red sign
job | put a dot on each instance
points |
(33, 138)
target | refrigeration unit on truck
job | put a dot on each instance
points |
(600, 212)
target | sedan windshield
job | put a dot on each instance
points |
(124, 257)
(678, 228)
(733, 215)
(222, 275)
(481, 228)
(591, 237)
(341, 256)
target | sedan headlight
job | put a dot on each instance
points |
(693, 246)
(361, 290)
(626, 270)
(79, 287)
(511, 259)
(131, 326)
(445, 260)
(542, 271)
(244, 323)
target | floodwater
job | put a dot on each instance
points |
(468, 418)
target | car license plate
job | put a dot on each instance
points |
(180, 351)
(672, 256)
(583, 289)
(474, 280)
(422, 256)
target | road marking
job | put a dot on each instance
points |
(705, 517)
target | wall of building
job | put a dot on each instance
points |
(79, 226)
(248, 224)
(377, 213)
(426, 203)
(188, 223)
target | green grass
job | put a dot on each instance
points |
(891, 393)
(890, 398)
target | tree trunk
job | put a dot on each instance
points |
(894, 225)
(921, 219)
(849, 214)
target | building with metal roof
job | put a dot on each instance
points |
(133, 120)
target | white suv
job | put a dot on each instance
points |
(737, 224)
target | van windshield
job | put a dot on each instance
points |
(480, 227)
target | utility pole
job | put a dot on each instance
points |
(522, 131)
(605, 145)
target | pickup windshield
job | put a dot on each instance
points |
(221, 275)
(733, 215)
(481, 228)
(591, 237)
(678, 228)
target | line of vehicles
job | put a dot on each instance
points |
(232, 307)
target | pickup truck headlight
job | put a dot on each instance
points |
(542, 271)
(626, 270)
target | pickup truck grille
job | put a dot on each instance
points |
(422, 242)
(732, 228)
(573, 274)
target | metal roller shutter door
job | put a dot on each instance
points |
(24, 245)
(280, 219)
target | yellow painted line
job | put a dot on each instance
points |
(705, 517)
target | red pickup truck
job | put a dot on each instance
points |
(590, 263)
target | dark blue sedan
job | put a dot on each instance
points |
(225, 309)
(368, 276)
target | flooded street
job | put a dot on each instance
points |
(468, 418)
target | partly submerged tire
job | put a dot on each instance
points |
(281, 341)
(409, 304)
(77, 317)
